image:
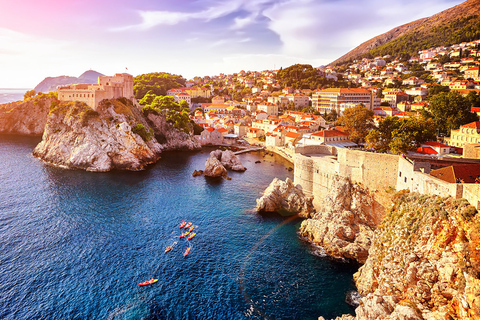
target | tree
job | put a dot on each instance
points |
(401, 135)
(157, 83)
(358, 121)
(380, 138)
(29, 94)
(183, 104)
(450, 110)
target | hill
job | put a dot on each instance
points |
(455, 25)
(50, 83)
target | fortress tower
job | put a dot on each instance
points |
(108, 87)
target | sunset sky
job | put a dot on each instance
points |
(41, 38)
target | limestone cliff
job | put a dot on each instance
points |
(285, 196)
(25, 117)
(424, 262)
(345, 224)
(115, 136)
(169, 137)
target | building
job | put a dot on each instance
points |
(467, 134)
(210, 136)
(330, 99)
(120, 85)
(330, 136)
(270, 108)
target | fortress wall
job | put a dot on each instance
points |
(471, 192)
(320, 149)
(376, 171)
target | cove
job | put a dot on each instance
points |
(76, 244)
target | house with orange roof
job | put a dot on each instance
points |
(467, 134)
(292, 138)
(472, 73)
(254, 132)
(273, 139)
(330, 136)
(458, 173)
(439, 148)
(413, 81)
(210, 136)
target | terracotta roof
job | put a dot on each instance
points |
(426, 150)
(436, 144)
(472, 125)
(292, 135)
(329, 133)
(465, 173)
(210, 129)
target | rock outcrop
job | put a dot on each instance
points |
(169, 137)
(25, 117)
(116, 136)
(219, 161)
(285, 196)
(230, 161)
(424, 262)
(345, 224)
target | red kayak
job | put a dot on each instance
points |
(146, 283)
(187, 251)
(183, 224)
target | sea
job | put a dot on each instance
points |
(10, 95)
(76, 244)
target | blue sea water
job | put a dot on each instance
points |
(75, 245)
(11, 95)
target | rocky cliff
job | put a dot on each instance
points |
(284, 196)
(344, 225)
(116, 136)
(424, 262)
(25, 117)
(169, 137)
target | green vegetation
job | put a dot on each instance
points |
(401, 135)
(451, 110)
(301, 76)
(461, 30)
(29, 94)
(358, 121)
(142, 132)
(157, 83)
(179, 120)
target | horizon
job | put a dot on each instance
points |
(189, 38)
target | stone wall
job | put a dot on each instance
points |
(316, 167)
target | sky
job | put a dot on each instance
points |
(48, 38)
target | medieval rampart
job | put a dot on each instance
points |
(316, 167)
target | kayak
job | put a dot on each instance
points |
(184, 234)
(148, 282)
(191, 228)
(183, 224)
(191, 236)
(168, 248)
(188, 225)
(187, 251)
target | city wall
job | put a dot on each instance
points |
(317, 167)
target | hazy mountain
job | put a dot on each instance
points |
(455, 25)
(50, 83)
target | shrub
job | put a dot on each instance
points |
(142, 132)
(87, 115)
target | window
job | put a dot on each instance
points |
(405, 179)
(399, 173)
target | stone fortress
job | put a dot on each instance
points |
(316, 168)
(120, 85)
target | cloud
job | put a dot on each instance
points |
(212, 10)
(329, 28)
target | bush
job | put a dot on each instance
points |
(142, 132)
(87, 115)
